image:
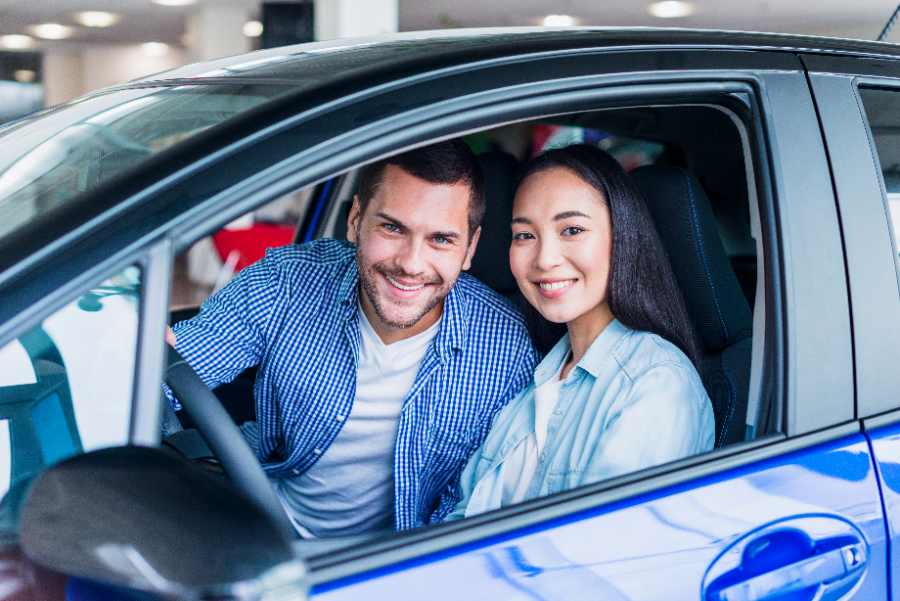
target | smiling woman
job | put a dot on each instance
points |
(616, 394)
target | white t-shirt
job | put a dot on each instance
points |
(350, 489)
(520, 466)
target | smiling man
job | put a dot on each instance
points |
(381, 365)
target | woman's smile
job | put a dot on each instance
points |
(555, 288)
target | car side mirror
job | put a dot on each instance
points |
(145, 519)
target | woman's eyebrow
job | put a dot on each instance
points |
(569, 214)
(524, 220)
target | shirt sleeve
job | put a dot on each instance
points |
(455, 497)
(229, 333)
(665, 416)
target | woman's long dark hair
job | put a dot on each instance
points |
(642, 291)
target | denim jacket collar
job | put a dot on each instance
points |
(597, 354)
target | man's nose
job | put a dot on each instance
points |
(411, 257)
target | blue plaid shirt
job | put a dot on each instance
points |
(294, 314)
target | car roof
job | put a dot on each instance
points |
(306, 65)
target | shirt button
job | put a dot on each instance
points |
(295, 471)
(317, 451)
(339, 418)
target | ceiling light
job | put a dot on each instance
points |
(670, 9)
(174, 2)
(154, 49)
(24, 75)
(16, 42)
(51, 31)
(253, 29)
(96, 18)
(559, 21)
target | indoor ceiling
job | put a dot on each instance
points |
(144, 21)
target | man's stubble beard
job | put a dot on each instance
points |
(367, 280)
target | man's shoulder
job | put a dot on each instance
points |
(326, 252)
(484, 303)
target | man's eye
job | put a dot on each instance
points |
(442, 240)
(572, 230)
(390, 227)
(522, 236)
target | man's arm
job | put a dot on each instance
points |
(230, 332)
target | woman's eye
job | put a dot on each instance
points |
(572, 230)
(522, 236)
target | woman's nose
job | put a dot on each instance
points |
(548, 255)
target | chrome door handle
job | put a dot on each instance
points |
(818, 571)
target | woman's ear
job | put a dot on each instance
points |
(353, 220)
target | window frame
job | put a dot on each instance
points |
(399, 135)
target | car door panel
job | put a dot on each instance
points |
(665, 545)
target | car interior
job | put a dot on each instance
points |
(690, 163)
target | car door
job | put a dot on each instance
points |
(859, 104)
(796, 513)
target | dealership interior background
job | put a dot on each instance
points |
(52, 51)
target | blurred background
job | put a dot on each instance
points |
(52, 51)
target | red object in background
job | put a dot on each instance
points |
(251, 243)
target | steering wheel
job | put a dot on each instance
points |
(225, 440)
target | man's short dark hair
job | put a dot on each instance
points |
(449, 162)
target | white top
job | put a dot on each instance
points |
(350, 489)
(518, 469)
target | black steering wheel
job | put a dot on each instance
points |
(224, 440)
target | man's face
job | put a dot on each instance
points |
(412, 242)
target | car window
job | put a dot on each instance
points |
(66, 385)
(882, 109)
(78, 146)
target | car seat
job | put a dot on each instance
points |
(715, 302)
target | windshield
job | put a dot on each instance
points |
(49, 159)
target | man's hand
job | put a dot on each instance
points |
(170, 336)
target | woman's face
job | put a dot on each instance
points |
(562, 246)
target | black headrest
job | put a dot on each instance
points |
(687, 227)
(491, 261)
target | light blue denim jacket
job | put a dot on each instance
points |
(633, 401)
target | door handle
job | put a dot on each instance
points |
(819, 571)
(808, 557)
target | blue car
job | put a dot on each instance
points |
(770, 165)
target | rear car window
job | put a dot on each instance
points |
(882, 108)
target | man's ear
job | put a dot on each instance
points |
(473, 244)
(353, 219)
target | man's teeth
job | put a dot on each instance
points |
(403, 287)
(555, 285)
